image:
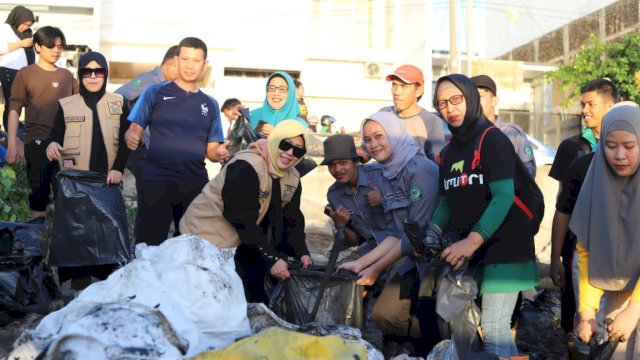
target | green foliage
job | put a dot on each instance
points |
(619, 61)
(132, 210)
(14, 193)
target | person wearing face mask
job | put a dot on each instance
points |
(88, 134)
(16, 48)
(254, 204)
(477, 202)
(280, 103)
(604, 222)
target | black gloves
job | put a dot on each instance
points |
(426, 243)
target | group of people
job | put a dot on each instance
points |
(461, 191)
(471, 204)
(492, 237)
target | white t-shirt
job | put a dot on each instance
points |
(17, 59)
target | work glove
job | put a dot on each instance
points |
(426, 242)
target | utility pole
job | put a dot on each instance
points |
(453, 52)
(469, 36)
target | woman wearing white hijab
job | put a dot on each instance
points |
(608, 231)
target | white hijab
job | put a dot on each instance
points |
(403, 148)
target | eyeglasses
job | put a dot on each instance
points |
(85, 73)
(454, 100)
(285, 145)
(281, 89)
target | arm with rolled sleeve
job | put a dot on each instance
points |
(241, 208)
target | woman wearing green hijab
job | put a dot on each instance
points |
(279, 104)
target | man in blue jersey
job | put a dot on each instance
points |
(131, 91)
(185, 128)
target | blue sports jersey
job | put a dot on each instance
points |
(182, 123)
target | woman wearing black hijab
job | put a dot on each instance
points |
(16, 49)
(88, 134)
(477, 202)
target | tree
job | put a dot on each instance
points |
(14, 193)
(618, 61)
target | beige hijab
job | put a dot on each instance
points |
(268, 148)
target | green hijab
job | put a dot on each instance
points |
(290, 110)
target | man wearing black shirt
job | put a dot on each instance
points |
(598, 96)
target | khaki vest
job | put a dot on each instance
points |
(78, 119)
(204, 218)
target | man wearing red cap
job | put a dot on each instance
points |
(426, 129)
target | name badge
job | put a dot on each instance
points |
(115, 108)
(69, 119)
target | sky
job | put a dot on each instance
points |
(506, 23)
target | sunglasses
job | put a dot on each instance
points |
(85, 73)
(285, 145)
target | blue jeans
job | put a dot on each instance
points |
(496, 323)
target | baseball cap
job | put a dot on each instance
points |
(408, 74)
(486, 82)
(339, 147)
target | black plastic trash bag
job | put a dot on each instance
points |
(26, 283)
(90, 223)
(455, 304)
(306, 165)
(240, 134)
(341, 303)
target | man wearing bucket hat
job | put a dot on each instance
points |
(426, 128)
(365, 225)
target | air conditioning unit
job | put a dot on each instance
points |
(373, 70)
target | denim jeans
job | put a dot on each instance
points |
(496, 323)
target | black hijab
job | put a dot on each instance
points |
(98, 161)
(18, 16)
(474, 121)
(84, 61)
